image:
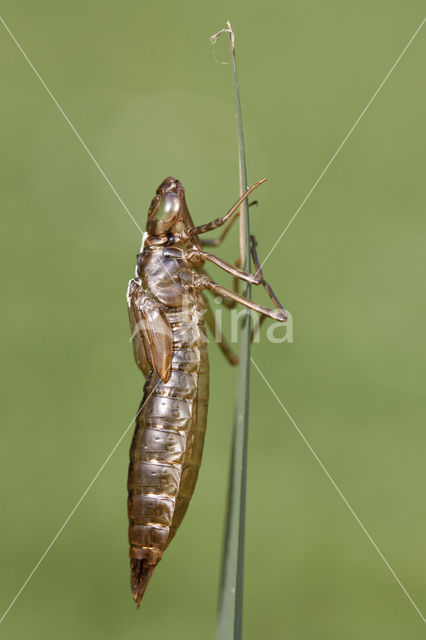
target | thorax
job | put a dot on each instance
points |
(166, 274)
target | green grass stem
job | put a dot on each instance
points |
(230, 608)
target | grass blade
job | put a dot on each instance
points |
(231, 588)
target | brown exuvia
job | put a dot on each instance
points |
(167, 306)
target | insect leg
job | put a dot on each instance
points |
(196, 256)
(209, 226)
(215, 242)
(204, 282)
(256, 278)
(259, 272)
(219, 337)
(229, 304)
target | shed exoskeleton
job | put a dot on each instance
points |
(167, 306)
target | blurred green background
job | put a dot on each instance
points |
(140, 83)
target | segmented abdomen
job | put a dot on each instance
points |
(167, 445)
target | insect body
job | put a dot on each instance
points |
(167, 307)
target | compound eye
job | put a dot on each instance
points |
(168, 207)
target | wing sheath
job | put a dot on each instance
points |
(151, 332)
